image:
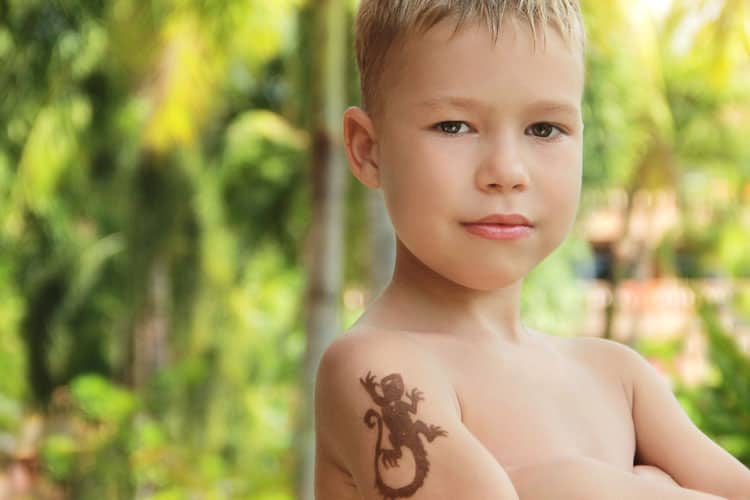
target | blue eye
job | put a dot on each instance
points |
(544, 130)
(452, 127)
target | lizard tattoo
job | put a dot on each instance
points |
(404, 433)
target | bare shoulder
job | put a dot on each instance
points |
(605, 349)
(367, 345)
(606, 358)
(354, 354)
(386, 426)
(359, 358)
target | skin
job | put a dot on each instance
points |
(653, 472)
(500, 132)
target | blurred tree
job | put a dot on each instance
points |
(685, 80)
(324, 260)
(126, 166)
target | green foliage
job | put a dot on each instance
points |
(12, 360)
(624, 112)
(262, 154)
(59, 456)
(101, 401)
(552, 290)
(661, 349)
(722, 407)
(99, 177)
(10, 414)
(86, 449)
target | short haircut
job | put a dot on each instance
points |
(381, 23)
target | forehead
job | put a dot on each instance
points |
(469, 66)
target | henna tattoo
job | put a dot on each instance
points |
(404, 433)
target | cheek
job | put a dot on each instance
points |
(420, 173)
(561, 186)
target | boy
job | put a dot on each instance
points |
(472, 129)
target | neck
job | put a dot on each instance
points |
(421, 300)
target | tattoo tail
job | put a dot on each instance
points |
(372, 417)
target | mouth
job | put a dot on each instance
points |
(503, 220)
(500, 227)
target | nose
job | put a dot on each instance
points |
(502, 167)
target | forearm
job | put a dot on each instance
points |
(590, 479)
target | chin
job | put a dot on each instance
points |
(488, 280)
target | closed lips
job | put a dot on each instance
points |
(502, 220)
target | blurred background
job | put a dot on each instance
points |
(180, 239)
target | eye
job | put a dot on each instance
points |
(452, 127)
(544, 130)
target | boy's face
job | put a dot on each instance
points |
(469, 128)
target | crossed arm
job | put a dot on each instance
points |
(667, 439)
(680, 462)
(587, 478)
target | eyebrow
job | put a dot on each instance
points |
(544, 105)
(456, 102)
(556, 106)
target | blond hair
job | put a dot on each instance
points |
(380, 23)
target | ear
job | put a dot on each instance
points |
(361, 147)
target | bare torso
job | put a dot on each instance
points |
(548, 399)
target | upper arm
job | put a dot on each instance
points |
(435, 456)
(668, 439)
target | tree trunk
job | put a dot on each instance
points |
(325, 250)
(152, 325)
(620, 266)
(158, 188)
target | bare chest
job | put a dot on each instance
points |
(534, 408)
